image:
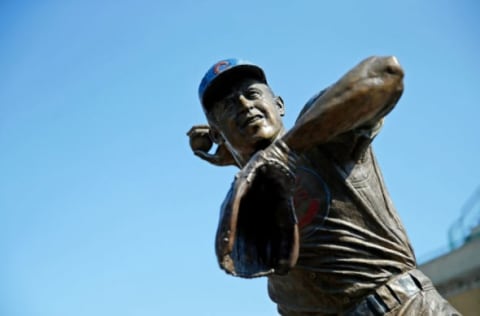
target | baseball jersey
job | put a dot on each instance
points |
(352, 239)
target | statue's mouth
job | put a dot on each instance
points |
(252, 119)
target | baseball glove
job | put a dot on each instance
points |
(258, 234)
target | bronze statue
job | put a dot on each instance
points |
(309, 208)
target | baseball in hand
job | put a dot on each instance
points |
(200, 140)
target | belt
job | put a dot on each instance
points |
(392, 294)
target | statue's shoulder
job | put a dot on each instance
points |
(310, 102)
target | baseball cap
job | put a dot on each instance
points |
(225, 71)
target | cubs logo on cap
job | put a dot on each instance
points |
(231, 65)
(221, 66)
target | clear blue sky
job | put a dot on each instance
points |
(104, 210)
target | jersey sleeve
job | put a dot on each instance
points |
(356, 141)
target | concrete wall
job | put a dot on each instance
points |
(456, 276)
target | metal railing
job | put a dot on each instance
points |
(464, 229)
(466, 226)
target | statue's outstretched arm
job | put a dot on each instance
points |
(361, 97)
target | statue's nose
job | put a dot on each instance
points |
(244, 102)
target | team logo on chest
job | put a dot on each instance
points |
(311, 198)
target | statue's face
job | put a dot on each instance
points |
(247, 116)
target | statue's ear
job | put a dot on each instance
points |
(280, 105)
(216, 136)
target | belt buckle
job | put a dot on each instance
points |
(403, 287)
(408, 285)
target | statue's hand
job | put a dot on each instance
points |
(201, 143)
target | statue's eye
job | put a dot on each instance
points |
(252, 94)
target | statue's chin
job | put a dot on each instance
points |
(261, 132)
(254, 138)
